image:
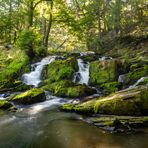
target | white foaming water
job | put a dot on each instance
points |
(34, 77)
(2, 97)
(121, 78)
(105, 58)
(46, 105)
(138, 82)
(82, 76)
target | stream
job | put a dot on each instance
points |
(42, 125)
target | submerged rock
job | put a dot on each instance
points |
(127, 102)
(29, 97)
(118, 124)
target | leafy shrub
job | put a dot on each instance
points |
(31, 40)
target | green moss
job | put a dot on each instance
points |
(29, 97)
(128, 102)
(133, 76)
(111, 86)
(66, 88)
(5, 105)
(103, 71)
(61, 69)
(14, 69)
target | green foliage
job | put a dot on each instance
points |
(14, 69)
(40, 51)
(26, 39)
(31, 40)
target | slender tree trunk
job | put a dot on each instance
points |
(49, 25)
(31, 14)
(10, 21)
(117, 16)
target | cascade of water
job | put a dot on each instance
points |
(82, 76)
(34, 77)
(105, 58)
(121, 78)
(138, 82)
(2, 97)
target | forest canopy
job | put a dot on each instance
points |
(37, 25)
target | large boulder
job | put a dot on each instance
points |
(127, 102)
(103, 71)
(66, 88)
(31, 96)
(61, 69)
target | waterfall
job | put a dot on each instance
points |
(34, 77)
(121, 78)
(2, 97)
(105, 58)
(138, 82)
(82, 76)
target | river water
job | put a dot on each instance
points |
(49, 128)
(42, 125)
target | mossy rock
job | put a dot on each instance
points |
(34, 95)
(89, 58)
(127, 102)
(15, 85)
(66, 88)
(110, 87)
(119, 123)
(75, 91)
(61, 69)
(136, 74)
(5, 105)
(103, 71)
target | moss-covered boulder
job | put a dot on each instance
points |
(29, 97)
(127, 102)
(135, 74)
(5, 104)
(61, 69)
(103, 71)
(66, 88)
(16, 85)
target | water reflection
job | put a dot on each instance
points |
(50, 129)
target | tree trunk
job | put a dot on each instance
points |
(10, 21)
(49, 25)
(30, 15)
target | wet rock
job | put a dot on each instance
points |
(103, 71)
(5, 105)
(66, 88)
(34, 95)
(127, 102)
(118, 124)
